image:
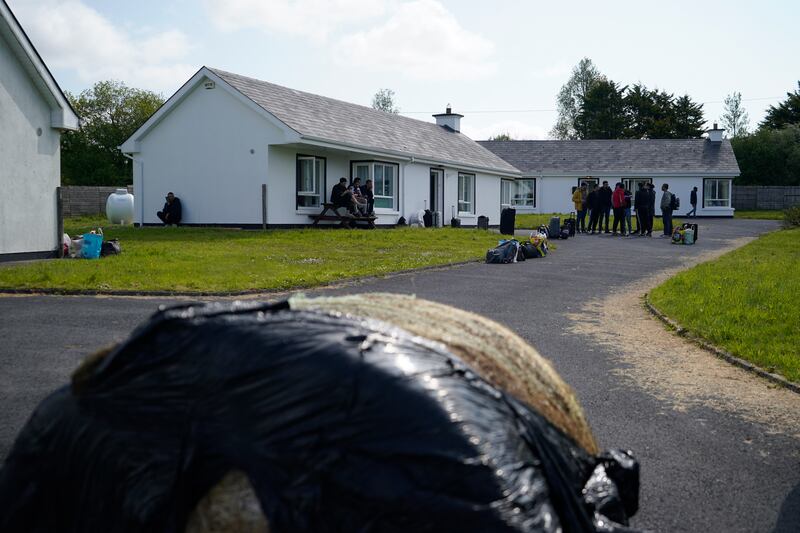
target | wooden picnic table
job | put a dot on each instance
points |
(345, 220)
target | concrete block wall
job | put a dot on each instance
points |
(83, 200)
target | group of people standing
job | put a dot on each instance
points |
(358, 199)
(599, 203)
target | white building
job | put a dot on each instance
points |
(222, 136)
(33, 113)
(550, 169)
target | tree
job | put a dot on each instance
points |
(786, 113)
(384, 101)
(110, 112)
(769, 156)
(688, 118)
(602, 112)
(505, 136)
(639, 108)
(584, 76)
(662, 121)
(734, 118)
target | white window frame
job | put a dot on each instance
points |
(714, 197)
(318, 180)
(517, 200)
(466, 200)
(510, 194)
(379, 194)
(506, 186)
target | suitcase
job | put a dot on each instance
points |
(563, 232)
(555, 227)
(455, 222)
(571, 224)
(427, 218)
(507, 220)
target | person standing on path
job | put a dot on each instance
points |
(651, 208)
(640, 202)
(666, 210)
(593, 203)
(605, 194)
(579, 199)
(693, 201)
(618, 202)
(628, 198)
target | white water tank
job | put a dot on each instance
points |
(119, 207)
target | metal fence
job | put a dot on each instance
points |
(81, 200)
(764, 197)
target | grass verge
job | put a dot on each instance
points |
(225, 260)
(758, 215)
(746, 302)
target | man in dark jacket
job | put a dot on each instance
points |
(604, 194)
(341, 197)
(651, 208)
(693, 201)
(593, 204)
(640, 203)
(172, 211)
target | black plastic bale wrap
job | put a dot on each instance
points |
(340, 425)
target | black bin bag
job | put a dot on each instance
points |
(340, 424)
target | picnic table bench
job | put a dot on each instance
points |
(345, 220)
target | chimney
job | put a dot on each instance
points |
(715, 134)
(449, 120)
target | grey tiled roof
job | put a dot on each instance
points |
(345, 123)
(648, 156)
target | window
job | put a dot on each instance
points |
(716, 192)
(310, 180)
(525, 195)
(591, 183)
(518, 193)
(466, 193)
(632, 184)
(505, 192)
(384, 178)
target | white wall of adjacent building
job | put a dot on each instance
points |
(30, 162)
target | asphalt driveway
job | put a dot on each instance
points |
(703, 469)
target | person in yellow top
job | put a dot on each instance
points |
(579, 199)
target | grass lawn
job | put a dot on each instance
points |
(747, 302)
(759, 215)
(219, 260)
(533, 221)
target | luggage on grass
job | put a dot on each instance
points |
(507, 220)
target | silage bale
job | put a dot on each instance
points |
(326, 421)
(498, 354)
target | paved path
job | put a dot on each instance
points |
(704, 467)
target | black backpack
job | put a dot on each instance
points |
(674, 203)
(503, 253)
(530, 251)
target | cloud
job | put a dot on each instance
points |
(420, 39)
(313, 19)
(72, 36)
(517, 130)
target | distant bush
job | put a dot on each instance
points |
(791, 217)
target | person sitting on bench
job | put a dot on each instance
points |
(360, 201)
(172, 210)
(341, 196)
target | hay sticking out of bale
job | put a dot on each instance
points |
(499, 355)
(230, 506)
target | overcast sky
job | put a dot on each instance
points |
(500, 62)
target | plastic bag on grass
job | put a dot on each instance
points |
(339, 424)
